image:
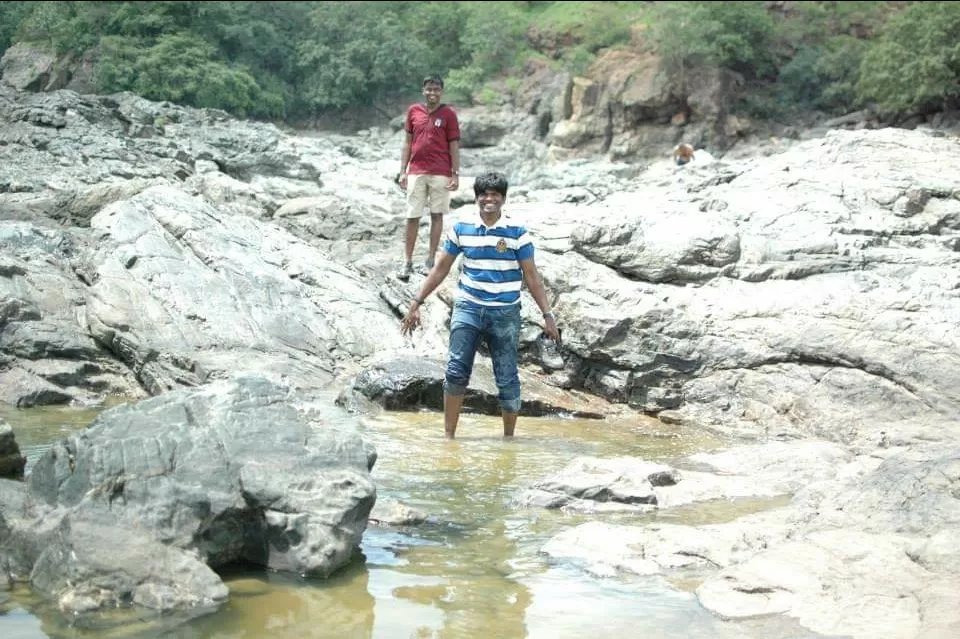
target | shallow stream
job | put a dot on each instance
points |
(472, 571)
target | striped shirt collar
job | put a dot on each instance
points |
(502, 221)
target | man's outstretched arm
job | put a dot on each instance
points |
(437, 274)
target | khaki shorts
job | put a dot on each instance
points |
(427, 190)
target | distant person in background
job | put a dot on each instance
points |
(682, 154)
(429, 169)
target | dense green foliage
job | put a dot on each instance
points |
(915, 66)
(12, 14)
(735, 35)
(295, 60)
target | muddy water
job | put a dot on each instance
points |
(472, 571)
(36, 428)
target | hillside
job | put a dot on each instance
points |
(622, 79)
(303, 58)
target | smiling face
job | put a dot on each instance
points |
(490, 202)
(432, 92)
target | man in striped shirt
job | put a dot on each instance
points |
(497, 261)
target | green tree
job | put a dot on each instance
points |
(733, 35)
(442, 25)
(12, 14)
(817, 22)
(356, 52)
(294, 59)
(226, 46)
(823, 76)
(493, 35)
(491, 38)
(180, 68)
(839, 67)
(65, 26)
(821, 47)
(262, 38)
(915, 65)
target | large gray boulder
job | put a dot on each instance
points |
(151, 498)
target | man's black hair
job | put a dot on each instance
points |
(433, 79)
(490, 181)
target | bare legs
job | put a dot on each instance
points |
(436, 232)
(452, 404)
(410, 238)
(451, 414)
(509, 423)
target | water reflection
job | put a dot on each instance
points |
(17, 623)
(275, 605)
(473, 571)
(470, 564)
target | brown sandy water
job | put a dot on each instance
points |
(473, 571)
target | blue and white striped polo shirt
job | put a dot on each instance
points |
(491, 274)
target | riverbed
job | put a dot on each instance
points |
(472, 570)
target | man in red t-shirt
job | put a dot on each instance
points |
(429, 168)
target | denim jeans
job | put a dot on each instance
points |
(500, 327)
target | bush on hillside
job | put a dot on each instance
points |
(734, 35)
(915, 65)
(822, 76)
(177, 68)
(12, 14)
(296, 60)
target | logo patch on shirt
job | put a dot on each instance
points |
(438, 122)
(502, 246)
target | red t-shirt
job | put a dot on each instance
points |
(432, 135)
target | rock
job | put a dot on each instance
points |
(821, 581)
(28, 68)
(390, 512)
(11, 461)
(762, 470)
(399, 382)
(151, 498)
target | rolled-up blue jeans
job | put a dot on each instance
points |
(500, 327)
